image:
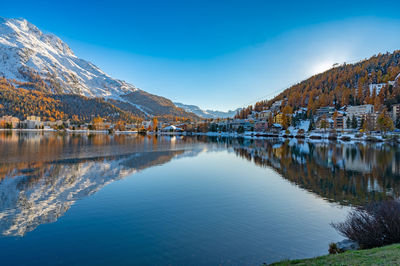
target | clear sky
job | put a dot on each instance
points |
(216, 54)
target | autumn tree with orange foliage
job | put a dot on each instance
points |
(120, 126)
(286, 116)
(97, 123)
(155, 124)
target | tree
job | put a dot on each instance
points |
(120, 126)
(75, 118)
(362, 122)
(384, 122)
(354, 123)
(368, 123)
(286, 116)
(348, 123)
(155, 124)
(377, 104)
(240, 130)
(311, 126)
(213, 127)
(270, 120)
(334, 117)
(295, 120)
(360, 96)
(323, 123)
(97, 123)
(397, 124)
(373, 225)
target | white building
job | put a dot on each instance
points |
(377, 87)
(33, 122)
(359, 111)
(263, 115)
(396, 112)
(276, 105)
(146, 124)
(328, 111)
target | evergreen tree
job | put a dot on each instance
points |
(312, 125)
(397, 124)
(354, 122)
(348, 123)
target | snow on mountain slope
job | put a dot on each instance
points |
(24, 48)
(206, 113)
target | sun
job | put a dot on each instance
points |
(320, 67)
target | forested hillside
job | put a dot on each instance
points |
(33, 60)
(156, 105)
(347, 84)
(22, 102)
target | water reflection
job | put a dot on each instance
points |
(347, 173)
(43, 174)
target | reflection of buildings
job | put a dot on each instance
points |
(33, 193)
(40, 188)
(345, 173)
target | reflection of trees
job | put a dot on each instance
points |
(42, 175)
(39, 191)
(23, 150)
(345, 173)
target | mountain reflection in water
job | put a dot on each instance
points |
(34, 190)
(43, 174)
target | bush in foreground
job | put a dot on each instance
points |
(374, 225)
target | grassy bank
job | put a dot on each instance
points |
(388, 255)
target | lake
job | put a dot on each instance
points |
(77, 199)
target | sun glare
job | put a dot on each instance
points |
(320, 67)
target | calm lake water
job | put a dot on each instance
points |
(134, 200)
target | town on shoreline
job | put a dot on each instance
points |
(245, 128)
(347, 123)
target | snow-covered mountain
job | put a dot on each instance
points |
(26, 52)
(206, 113)
(24, 48)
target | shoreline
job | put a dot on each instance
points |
(348, 137)
(312, 136)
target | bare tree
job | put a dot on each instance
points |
(374, 225)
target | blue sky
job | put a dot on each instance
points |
(216, 54)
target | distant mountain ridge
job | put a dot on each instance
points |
(206, 113)
(34, 60)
